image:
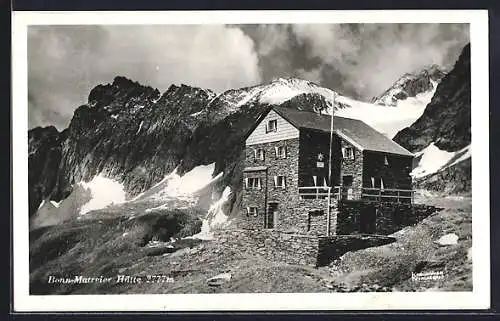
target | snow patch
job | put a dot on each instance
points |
(251, 95)
(284, 89)
(41, 204)
(104, 192)
(434, 159)
(464, 156)
(190, 182)
(388, 120)
(276, 92)
(196, 114)
(174, 187)
(160, 207)
(215, 218)
(216, 212)
(56, 204)
(140, 126)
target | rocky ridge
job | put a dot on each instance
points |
(410, 85)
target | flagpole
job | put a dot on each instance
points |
(330, 169)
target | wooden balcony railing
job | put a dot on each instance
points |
(369, 193)
(318, 192)
(388, 194)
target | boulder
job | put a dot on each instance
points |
(219, 279)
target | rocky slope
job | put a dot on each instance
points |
(114, 246)
(454, 179)
(446, 121)
(45, 149)
(444, 131)
(136, 136)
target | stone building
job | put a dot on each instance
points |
(290, 185)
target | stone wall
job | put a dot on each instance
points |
(273, 245)
(387, 217)
(311, 221)
(353, 167)
(286, 198)
(293, 214)
(295, 248)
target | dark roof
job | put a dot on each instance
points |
(354, 131)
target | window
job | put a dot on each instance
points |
(279, 181)
(347, 180)
(272, 126)
(377, 182)
(316, 212)
(252, 211)
(280, 151)
(320, 181)
(258, 154)
(348, 152)
(386, 161)
(253, 183)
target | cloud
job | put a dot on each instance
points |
(66, 62)
(358, 59)
(372, 56)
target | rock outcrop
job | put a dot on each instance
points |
(446, 120)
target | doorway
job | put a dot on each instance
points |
(347, 186)
(271, 215)
(368, 220)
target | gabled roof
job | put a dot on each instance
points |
(356, 132)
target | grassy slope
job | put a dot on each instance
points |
(99, 247)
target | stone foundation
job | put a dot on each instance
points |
(273, 245)
(293, 248)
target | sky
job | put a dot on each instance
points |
(357, 60)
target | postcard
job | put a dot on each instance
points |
(250, 160)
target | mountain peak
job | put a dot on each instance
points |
(411, 84)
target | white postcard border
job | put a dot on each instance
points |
(479, 298)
